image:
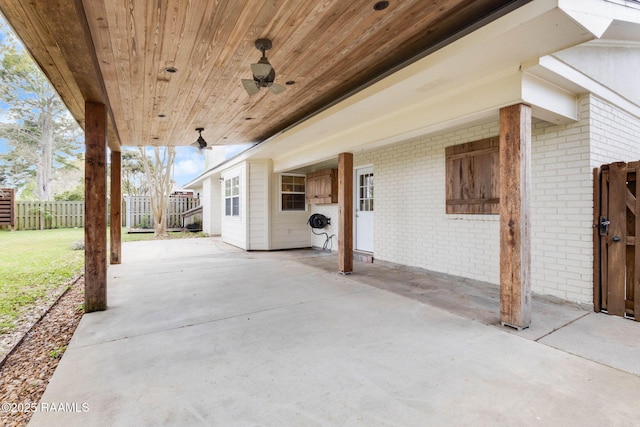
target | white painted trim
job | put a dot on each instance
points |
(549, 102)
(565, 71)
(279, 201)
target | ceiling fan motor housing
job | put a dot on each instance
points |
(263, 44)
(263, 73)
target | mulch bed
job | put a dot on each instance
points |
(26, 371)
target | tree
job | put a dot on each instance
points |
(41, 134)
(158, 173)
(134, 181)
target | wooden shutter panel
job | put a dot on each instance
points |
(473, 177)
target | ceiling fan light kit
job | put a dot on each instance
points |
(200, 143)
(263, 73)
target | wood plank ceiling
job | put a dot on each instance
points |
(329, 48)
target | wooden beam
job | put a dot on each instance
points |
(515, 233)
(345, 213)
(116, 207)
(95, 188)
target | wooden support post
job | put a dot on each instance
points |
(116, 207)
(515, 233)
(95, 191)
(345, 213)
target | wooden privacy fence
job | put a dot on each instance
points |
(139, 217)
(617, 231)
(46, 215)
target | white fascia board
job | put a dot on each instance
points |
(589, 14)
(575, 78)
(227, 164)
(466, 105)
(549, 102)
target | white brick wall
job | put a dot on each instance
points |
(615, 134)
(411, 226)
(562, 209)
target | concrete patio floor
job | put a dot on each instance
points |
(200, 333)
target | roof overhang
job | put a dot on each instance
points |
(505, 62)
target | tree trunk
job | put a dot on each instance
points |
(158, 174)
(45, 165)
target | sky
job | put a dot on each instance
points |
(189, 162)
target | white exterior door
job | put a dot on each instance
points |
(364, 209)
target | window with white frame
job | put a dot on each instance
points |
(232, 196)
(292, 193)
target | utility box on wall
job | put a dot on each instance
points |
(322, 187)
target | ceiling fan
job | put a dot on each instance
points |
(200, 143)
(263, 73)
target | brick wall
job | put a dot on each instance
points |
(562, 209)
(411, 226)
(615, 134)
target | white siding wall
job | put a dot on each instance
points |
(211, 220)
(289, 229)
(206, 200)
(234, 229)
(259, 172)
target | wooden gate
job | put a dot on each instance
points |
(7, 207)
(617, 261)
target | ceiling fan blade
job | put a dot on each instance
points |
(250, 86)
(276, 88)
(261, 70)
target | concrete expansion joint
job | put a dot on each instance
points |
(562, 326)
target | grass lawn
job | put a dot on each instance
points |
(35, 263)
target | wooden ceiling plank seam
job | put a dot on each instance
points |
(351, 47)
(313, 35)
(117, 78)
(198, 55)
(137, 26)
(175, 22)
(192, 18)
(207, 74)
(156, 14)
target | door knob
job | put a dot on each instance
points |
(616, 238)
